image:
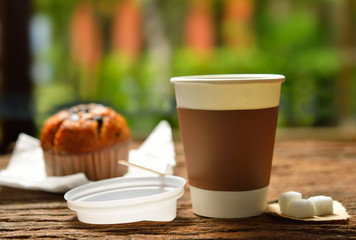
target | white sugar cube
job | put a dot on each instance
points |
(285, 199)
(323, 205)
(301, 208)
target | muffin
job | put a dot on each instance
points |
(88, 138)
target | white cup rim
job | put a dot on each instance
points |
(229, 78)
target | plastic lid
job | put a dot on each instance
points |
(127, 199)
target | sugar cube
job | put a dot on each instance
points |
(323, 205)
(301, 208)
(285, 199)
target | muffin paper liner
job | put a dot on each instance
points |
(95, 165)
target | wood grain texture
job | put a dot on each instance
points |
(310, 167)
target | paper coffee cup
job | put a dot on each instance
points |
(228, 125)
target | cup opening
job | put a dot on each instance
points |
(230, 78)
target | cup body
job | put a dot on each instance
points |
(228, 125)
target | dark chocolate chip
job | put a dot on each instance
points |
(99, 119)
(84, 109)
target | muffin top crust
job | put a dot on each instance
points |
(84, 128)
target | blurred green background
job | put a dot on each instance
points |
(123, 52)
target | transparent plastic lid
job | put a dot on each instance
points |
(127, 199)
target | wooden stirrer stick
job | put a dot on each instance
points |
(124, 162)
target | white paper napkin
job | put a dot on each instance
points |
(26, 168)
(156, 152)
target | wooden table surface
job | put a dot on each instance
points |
(310, 167)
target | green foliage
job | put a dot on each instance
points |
(48, 97)
(289, 38)
(118, 84)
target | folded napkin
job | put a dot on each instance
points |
(156, 152)
(26, 167)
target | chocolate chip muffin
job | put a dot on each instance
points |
(87, 138)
